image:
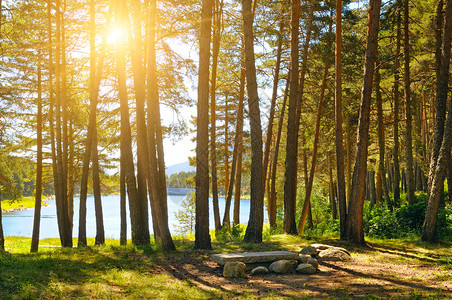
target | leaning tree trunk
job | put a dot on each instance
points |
(307, 201)
(268, 140)
(272, 204)
(156, 174)
(254, 229)
(202, 236)
(138, 236)
(355, 230)
(92, 126)
(441, 165)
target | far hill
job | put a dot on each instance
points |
(177, 168)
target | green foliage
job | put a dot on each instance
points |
(181, 180)
(379, 222)
(186, 215)
(405, 221)
(231, 234)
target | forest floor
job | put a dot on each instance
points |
(381, 269)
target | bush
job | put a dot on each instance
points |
(411, 217)
(380, 222)
(404, 221)
(227, 234)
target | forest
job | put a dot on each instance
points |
(334, 118)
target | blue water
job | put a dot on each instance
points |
(20, 223)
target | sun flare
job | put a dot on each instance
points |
(115, 35)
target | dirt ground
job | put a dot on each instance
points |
(374, 271)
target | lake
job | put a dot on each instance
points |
(20, 223)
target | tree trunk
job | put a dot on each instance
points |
(290, 175)
(92, 124)
(272, 205)
(441, 165)
(38, 193)
(396, 184)
(442, 73)
(213, 128)
(122, 203)
(381, 141)
(271, 117)
(331, 190)
(139, 236)
(2, 237)
(408, 134)
(354, 228)
(239, 133)
(156, 173)
(139, 85)
(341, 192)
(100, 232)
(254, 229)
(64, 225)
(307, 201)
(202, 236)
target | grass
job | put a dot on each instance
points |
(93, 272)
(113, 271)
(20, 203)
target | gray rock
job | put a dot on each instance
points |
(234, 269)
(309, 250)
(259, 271)
(282, 267)
(306, 269)
(321, 247)
(303, 258)
(312, 261)
(334, 255)
(254, 257)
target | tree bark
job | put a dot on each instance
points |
(331, 190)
(94, 84)
(139, 236)
(38, 194)
(341, 191)
(354, 224)
(269, 137)
(441, 165)
(408, 133)
(202, 236)
(272, 205)
(139, 84)
(122, 202)
(239, 133)
(213, 128)
(290, 175)
(442, 73)
(307, 201)
(64, 225)
(156, 173)
(381, 141)
(255, 223)
(396, 184)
